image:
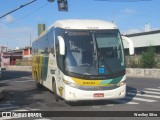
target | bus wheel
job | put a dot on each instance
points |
(37, 83)
(55, 92)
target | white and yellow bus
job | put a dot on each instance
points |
(81, 60)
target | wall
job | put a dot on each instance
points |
(145, 73)
(145, 39)
(19, 68)
(131, 72)
(134, 61)
(5, 61)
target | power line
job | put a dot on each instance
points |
(62, 6)
(123, 0)
(18, 8)
(30, 13)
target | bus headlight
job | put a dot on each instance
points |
(70, 84)
(121, 83)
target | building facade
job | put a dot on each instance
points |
(143, 40)
(16, 57)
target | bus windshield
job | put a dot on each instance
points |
(98, 52)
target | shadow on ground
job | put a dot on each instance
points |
(7, 75)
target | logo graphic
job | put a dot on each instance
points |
(61, 90)
(101, 70)
(6, 114)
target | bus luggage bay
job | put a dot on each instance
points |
(81, 60)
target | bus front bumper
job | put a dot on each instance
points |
(74, 94)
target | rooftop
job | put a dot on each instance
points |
(143, 33)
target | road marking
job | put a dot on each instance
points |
(26, 77)
(43, 119)
(152, 89)
(124, 101)
(9, 81)
(25, 81)
(144, 95)
(96, 107)
(110, 105)
(145, 92)
(5, 104)
(27, 109)
(151, 92)
(6, 81)
(141, 99)
(9, 107)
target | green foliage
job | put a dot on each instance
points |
(18, 62)
(158, 65)
(148, 58)
(134, 63)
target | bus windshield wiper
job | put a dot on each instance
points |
(85, 74)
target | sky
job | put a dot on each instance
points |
(19, 28)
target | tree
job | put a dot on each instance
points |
(148, 58)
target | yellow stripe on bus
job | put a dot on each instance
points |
(83, 82)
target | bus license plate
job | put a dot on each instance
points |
(98, 95)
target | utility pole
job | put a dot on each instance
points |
(30, 40)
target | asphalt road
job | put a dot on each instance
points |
(21, 94)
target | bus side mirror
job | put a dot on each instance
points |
(130, 43)
(61, 45)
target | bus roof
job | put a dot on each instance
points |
(83, 24)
